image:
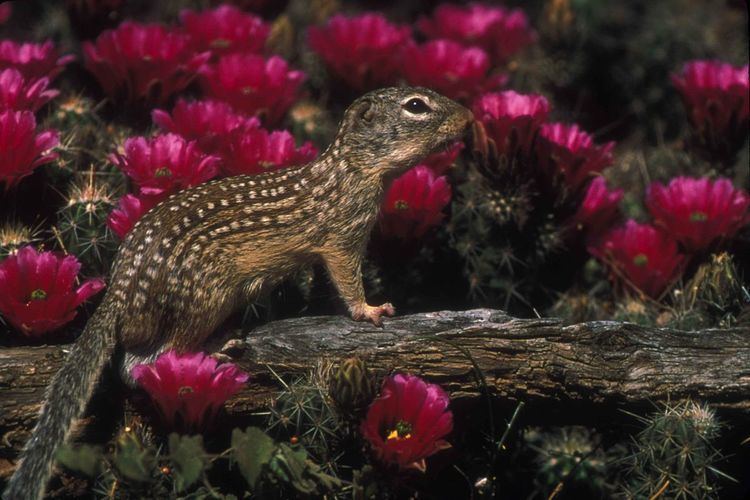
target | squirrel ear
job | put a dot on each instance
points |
(365, 111)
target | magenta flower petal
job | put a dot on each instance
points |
(37, 290)
(441, 161)
(408, 421)
(716, 96)
(511, 120)
(208, 122)
(254, 150)
(599, 209)
(18, 93)
(567, 150)
(129, 211)
(33, 60)
(22, 149)
(6, 10)
(253, 85)
(189, 389)
(165, 164)
(640, 256)
(449, 68)
(699, 212)
(224, 30)
(362, 51)
(499, 31)
(143, 62)
(414, 204)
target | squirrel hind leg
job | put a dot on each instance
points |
(184, 329)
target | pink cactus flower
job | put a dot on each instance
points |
(512, 120)
(255, 150)
(441, 161)
(567, 150)
(189, 389)
(208, 122)
(599, 209)
(716, 96)
(408, 421)
(699, 212)
(451, 69)
(414, 204)
(22, 149)
(129, 210)
(499, 31)
(164, 164)
(142, 62)
(641, 257)
(19, 93)
(33, 60)
(253, 85)
(225, 29)
(37, 290)
(6, 10)
(362, 51)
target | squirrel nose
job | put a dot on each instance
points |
(467, 117)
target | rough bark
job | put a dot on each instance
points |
(534, 360)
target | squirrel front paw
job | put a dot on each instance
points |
(365, 312)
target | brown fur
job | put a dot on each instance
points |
(193, 259)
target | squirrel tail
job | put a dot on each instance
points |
(65, 399)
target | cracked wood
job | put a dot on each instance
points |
(534, 360)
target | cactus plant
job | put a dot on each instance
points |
(674, 454)
(572, 455)
(505, 230)
(14, 236)
(82, 224)
(352, 387)
(304, 413)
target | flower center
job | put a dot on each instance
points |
(401, 431)
(184, 390)
(38, 294)
(163, 172)
(247, 90)
(221, 43)
(401, 205)
(698, 216)
(640, 260)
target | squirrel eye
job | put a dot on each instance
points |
(416, 106)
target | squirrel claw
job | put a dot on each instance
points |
(221, 357)
(373, 314)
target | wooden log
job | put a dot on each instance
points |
(524, 359)
(535, 360)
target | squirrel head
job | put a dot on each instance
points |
(389, 130)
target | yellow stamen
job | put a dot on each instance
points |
(394, 435)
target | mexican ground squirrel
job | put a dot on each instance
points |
(196, 257)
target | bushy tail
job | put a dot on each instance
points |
(65, 400)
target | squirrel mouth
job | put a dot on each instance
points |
(465, 134)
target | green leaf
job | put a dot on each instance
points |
(203, 493)
(289, 466)
(134, 461)
(364, 483)
(252, 450)
(84, 459)
(292, 466)
(189, 459)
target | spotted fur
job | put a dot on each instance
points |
(193, 259)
